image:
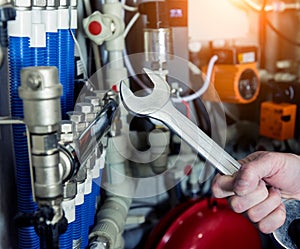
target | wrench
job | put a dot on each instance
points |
(158, 105)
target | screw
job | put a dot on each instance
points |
(34, 80)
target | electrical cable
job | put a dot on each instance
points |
(281, 35)
(129, 8)
(205, 86)
(131, 23)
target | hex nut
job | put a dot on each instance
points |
(70, 189)
(94, 100)
(84, 108)
(76, 117)
(66, 126)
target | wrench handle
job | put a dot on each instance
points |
(197, 139)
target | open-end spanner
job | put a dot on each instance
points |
(158, 105)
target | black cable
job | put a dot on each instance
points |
(271, 26)
(281, 35)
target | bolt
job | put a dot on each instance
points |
(34, 80)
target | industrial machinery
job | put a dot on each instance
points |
(84, 166)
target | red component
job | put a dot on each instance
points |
(115, 88)
(187, 170)
(204, 224)
(95, 28)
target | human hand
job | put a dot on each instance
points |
(257, 188)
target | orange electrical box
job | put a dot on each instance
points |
(235, 83)
(277, 120)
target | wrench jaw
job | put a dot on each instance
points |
(146, 105)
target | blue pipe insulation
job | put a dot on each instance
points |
(77, 234)
(51, 49)
(85, 221)
(96, 187)
(38, 56)
(65, 240)
(20, 56)
(66, 69)
(70, 70)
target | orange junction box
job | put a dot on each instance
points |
(277, 120)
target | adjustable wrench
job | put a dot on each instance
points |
(158, 106)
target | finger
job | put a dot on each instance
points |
(251, 173)
(273, 221)
(222, 186)
(263, 209)
(242, 203)
(252, 157)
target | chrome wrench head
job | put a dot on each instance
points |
(144, 106)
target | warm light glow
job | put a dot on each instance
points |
(216, 19)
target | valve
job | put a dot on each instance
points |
(102, 27)
(46, 225)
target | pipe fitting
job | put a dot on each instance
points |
(40, 90)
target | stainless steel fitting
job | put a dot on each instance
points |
(70, 189)
(40, 90)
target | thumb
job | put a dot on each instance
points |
(256, 167)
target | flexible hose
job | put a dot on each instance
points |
(65, 240)
(77, 226)
(19, 57)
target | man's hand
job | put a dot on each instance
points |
(257, 188)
